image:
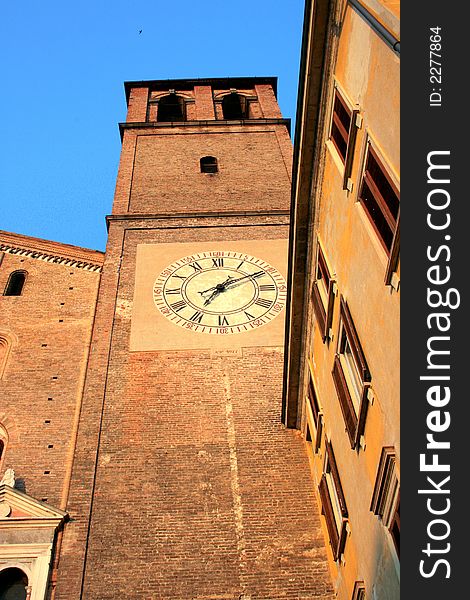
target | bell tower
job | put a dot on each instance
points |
(185, 483)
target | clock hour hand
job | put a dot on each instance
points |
(220, 287)
(214, 294)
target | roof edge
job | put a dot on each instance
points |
(224, 82)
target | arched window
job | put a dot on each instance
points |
(15, 283)
(13, 584)
(209, 164)
(234, 107)
(171, 108)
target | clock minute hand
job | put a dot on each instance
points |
(242, 279)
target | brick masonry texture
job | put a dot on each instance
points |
(50, 328)
(166, 173)
(200, 491)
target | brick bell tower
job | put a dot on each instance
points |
(185, 483)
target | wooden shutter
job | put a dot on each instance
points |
(336, 479)
(345, 402)
(394, 253)
(319, 309)
(350, 151)
(327, 511)
(354, 342)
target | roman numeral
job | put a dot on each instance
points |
(248, 316)
(176, 306)
(241, 264)
(264, 303)
(222, 320)
(179, 276)
(197, 317)
(174, 291)
(269, 287)
(196, 266)
(218, 262)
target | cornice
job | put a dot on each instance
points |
(52, 252)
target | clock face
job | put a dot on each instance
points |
(220, 292)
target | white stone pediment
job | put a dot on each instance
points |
(18, 509)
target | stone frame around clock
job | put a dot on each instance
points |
(151, 331)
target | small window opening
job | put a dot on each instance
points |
(234, 107)
(171, 108)
(209, 164)
(15, 284)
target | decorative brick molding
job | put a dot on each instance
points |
(53, 252)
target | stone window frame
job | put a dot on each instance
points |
(359, 591)
(314, 412)
(339, 130)
(385, 503)
(351, 376)
(333, 503)
(324, 291)
(391, 250)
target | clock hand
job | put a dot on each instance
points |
(219, 286)
(240, 279)
(214, 294)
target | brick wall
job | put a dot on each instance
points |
(199, 489)
(49, 328)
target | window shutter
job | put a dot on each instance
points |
(329, 311)
(394, 252)
(319, 309)
(350, 150)
(345, 402)
(354, 341)
(327, 511)
(336, 479)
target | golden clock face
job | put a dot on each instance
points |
(220, 292)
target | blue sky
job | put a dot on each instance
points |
(63, 68)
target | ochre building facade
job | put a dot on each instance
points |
(342, 357)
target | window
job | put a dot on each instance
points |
(333, 503)
(171, 108)
(13, 584)
(208, 164)
(15, 284)
(234, 107)
(343, 133)
(380, 199)
(316, 416)
(386, 496)
(359, 592)
(351, 376)
(323, 295)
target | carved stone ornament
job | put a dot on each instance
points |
(8, 478)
